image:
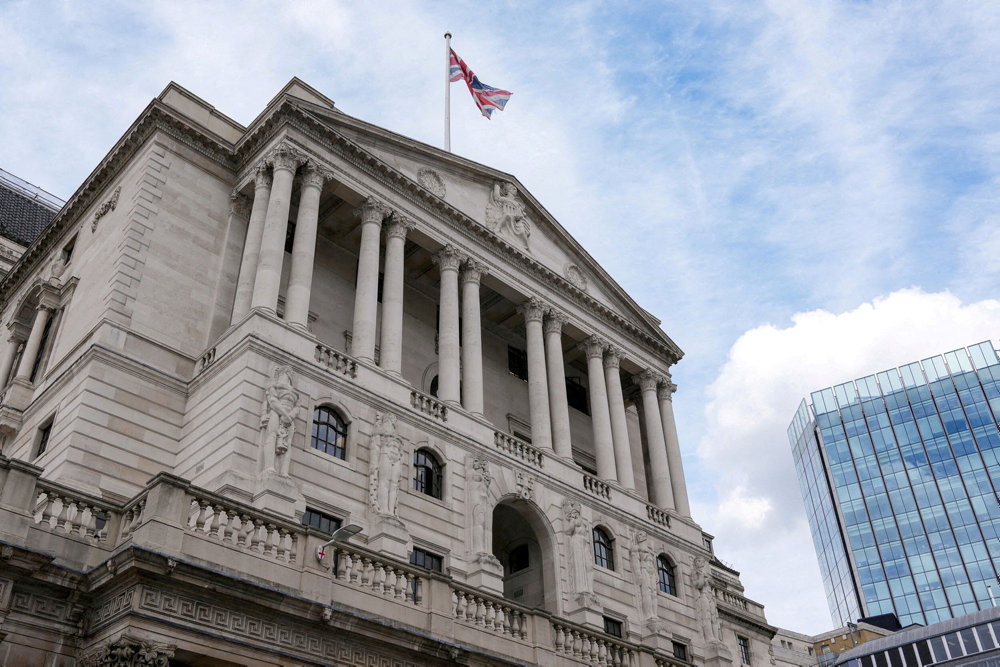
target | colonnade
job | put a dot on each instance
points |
(460, 364)
(27, 340)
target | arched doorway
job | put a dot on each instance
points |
(522, 542)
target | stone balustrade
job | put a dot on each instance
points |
(730, 598)
(378, 574)
(428, 405)
(62, 509)
(591, 647)
(517, 448)
(241, 528)
(657, 516)
(597, 487)
(495, 614)
(336, 361)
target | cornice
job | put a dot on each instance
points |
(156, 117)
(289, 113)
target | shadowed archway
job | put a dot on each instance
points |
(523, 542)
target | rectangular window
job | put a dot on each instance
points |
(517, 362)
(576, 395)
(426, 559)
(67, 251)
(43, 438)
(613, 627)
(320, 521)
(680, 651)
(744, 649)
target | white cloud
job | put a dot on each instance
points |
(759, 519)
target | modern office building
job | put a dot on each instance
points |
(235, 344)
(899, 472)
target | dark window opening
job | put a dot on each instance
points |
(434, 387)
(613, 627)
(518, 559)
(43, 438)
(680, 651)
(667, 575)
(329, 432)
(744, 644)
(67, 251)
(320, 521)
(42, 347)
(576, 395)
(426, 473)
(517, 362)
(604, 554)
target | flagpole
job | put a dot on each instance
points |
(447, 91)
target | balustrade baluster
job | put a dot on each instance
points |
(409, 588)
(221, 522)
(378, 581)
(503, 618)
(400, 584)
(418, 598)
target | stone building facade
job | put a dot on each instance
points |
(266, 333)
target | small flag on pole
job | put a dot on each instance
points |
(488, 98)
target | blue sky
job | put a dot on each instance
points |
(803, 192)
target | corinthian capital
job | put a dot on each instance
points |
(666, 390)
(649, 379)
(473, 271)
(613, 357)
(449, 258)
(533, 310)
(261, 176)
(594, 347)
(554, 321)
(371, 210)
(239, 204)
(315, 176)
(285, 156)
(398, 226)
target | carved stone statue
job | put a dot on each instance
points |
(708, 614)
(277, 421)
(505, 213)
(129, 651)
(580, 541)
(644, 564)
(481, 480)
(386, 465)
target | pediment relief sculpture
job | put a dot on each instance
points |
(505, 214)
(430, 180)
(575, 276)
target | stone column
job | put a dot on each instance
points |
(31, 348)
(662, 493)
(9, 352)
(300, 275)
(391, 347)
(472, 338)
(272, 245)
(665, 395)
(600, 417)
(538, 399)
(619, 425)
(556, 374)
(366, 289)
(448, 260)
(251, 247)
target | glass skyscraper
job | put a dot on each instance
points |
(900, 473)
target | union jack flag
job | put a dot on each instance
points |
(488, 98)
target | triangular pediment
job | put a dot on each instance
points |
(493, 199)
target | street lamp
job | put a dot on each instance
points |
(342, 534)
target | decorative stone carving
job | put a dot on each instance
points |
(56, 269)
(648, 380)
(505, 214)
(554, 321)
(431, 181)
(129, 651)
(261, 177)
(277, 421)
(387, 465)
(646, 580)
(448, 258)
(481, 481)
(594, 347)
(315, 175)
(705, 607)
(472, 271)
(398, 226)
(239, 204)
(575, 276)
(533, 309)
(579, 539)
(105, 208)
(613, 357)
(666, 390)
(285, 156)
(371, 210)
(525, 486)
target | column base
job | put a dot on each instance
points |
(486, 573)
(278, 494)
(585, 609)
(388, 535)
(717, 654)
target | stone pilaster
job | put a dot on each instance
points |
(600, 417)
(556, 374)
(391, 347)
(541, 426)
(619, 425)
(300, 275)
(448, 260)
(472, 337)
(366, 290)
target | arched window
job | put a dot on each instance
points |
(604, 554)
(667, 575)
(329, 432)
(426, 473)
